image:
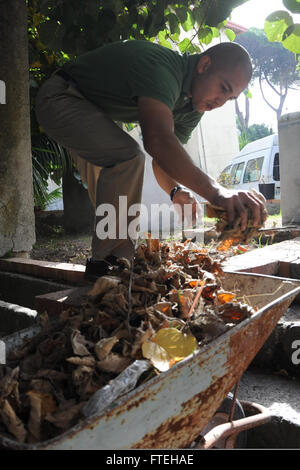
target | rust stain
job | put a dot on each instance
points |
(181, 430)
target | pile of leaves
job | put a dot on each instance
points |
(231, 233)
(161, 306)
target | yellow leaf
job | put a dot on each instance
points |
(157, 355)
(177, 344)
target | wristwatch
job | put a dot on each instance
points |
(174, 191)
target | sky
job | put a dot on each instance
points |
(253, 14)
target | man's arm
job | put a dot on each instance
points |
(157, 125)
(164, 180)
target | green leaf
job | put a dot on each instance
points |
(291, 38)
(189, 23)
(292, 5)
(173, 23)
(216, 32)
(230, 34)
(184, 45)
(163, 40)
(205, 35)
(276, 24)
(181, 14)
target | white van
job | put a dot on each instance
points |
(257, 164)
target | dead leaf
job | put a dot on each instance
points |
(157, 355)
(104, 347)
(78, 344)
(14, 425)
(40, 405)
(9, 382)
(88, 361)
(103, 285)
(234, 312)
(114, 363)
(224, 297)
(177, 344)
(66, 418)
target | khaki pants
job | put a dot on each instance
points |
(109, 161)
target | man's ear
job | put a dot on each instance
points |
(203, 64)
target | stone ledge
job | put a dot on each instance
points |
(44, 269)
(15, 318)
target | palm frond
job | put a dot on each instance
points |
(49, 159)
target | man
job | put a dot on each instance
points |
(167, 93)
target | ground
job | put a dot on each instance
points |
(54, 245)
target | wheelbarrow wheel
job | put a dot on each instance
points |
(222, 416)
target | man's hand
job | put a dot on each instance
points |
(184, 197)
(237, 202)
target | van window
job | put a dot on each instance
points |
(226, 170)
(225, 177)
(253, 170)
(276, 168)
(236, 172)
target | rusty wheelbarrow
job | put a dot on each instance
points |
(171, 410)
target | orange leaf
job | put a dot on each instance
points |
(224, 297)
(225, 245)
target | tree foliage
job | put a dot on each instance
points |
(62, 29)
(273, 65)
(59, 30)
(252, 133)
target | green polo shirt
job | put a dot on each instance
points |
(115, 75)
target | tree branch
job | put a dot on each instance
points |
(266, 101)
(270, 85)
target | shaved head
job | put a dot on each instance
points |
(228, 56)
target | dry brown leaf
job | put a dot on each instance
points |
(88, 361)
(104, 347)
(66, 418)
(40, 405)
(152, 245)
(140, 337)
(78, 344)
(234, 312)
(114, 363)
(14, 425)
(9, 382)
(103, 285)
(164, 307)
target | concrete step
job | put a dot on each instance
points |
(280, 395)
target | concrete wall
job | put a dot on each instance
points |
(17, 231)
(289, 145)
(215, 141)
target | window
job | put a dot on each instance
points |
(253, 170)
(236, 172)
(276, 168)
(226, 170)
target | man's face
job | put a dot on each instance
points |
(211, 89)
